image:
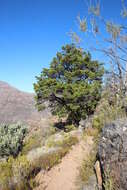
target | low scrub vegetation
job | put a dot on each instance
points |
(18, 172)
(109, 182)
(11, 139)
(87, 168)
(106, 111)
(69, 128)
(61, 140)
(86, 171)
(94, 132)
(48, 160)
(32, 142)
(14, 173)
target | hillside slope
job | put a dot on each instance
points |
(16, 106)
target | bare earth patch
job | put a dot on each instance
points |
(64, 175)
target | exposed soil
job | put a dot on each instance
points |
(64, 175)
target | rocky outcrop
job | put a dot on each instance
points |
(112, 154)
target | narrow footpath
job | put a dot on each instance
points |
(64, 175)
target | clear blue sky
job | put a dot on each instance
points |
(32, 31)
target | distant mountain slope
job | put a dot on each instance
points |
(18, 106)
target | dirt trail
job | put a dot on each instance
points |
(64, 175)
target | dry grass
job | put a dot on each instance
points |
(91, 132)
(18, 173)
(32, 142)
(87, 167)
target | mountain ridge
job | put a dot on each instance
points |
(16, 105)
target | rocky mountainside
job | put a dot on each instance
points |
(19, 106)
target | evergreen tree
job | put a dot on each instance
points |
(72, 84)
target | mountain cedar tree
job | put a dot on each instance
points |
(71, 85)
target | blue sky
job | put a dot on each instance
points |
(32, 31)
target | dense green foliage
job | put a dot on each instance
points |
(72, 84)
(11, 139)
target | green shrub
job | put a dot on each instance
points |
(69, 141)
(87, 167)
(108, 182)
(17, 174)
(5, 174)
(32, 142)
(106, 113)
(53, 130)
(14, 173)
(11, 139)
(97, 122)
(65, 140)
(69, 128)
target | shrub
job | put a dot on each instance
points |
(18, 173)
(31, 143)
(14, 173)
(52, 154)
(87, 168)
(69, 141)
(97, 122)
(106, 113)
(108, 182)
(11, 139)
(91, 132)
(53, 157)
(63, 140)
(53, 130)
(69, 128)
(5, 174)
